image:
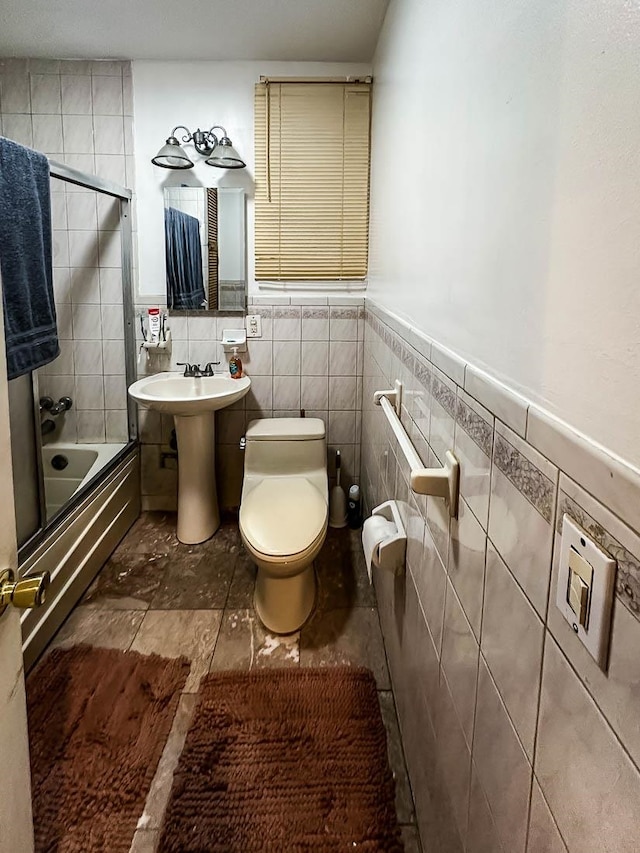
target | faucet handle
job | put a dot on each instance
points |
(209, 369)
(189, 369)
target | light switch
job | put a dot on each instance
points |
(585, 589)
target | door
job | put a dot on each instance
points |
(16, 824)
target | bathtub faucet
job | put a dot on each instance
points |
(63, 405)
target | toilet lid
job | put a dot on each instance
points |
(283, 516)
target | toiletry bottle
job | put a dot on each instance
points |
(235, 365)
(154, 324)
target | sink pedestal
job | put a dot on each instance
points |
(198, 513)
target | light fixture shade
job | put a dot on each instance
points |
(225, 156)
(172, 156)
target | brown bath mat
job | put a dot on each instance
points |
(98, 722)
(284, 761)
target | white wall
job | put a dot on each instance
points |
(505, 195)
(198, 94)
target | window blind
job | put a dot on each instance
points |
(312, 180)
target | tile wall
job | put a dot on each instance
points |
(309, 357)
(80, 113)
(515, 739)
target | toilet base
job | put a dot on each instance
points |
(284, 604)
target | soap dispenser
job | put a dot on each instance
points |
(235, 365)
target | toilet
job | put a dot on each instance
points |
(283, 515)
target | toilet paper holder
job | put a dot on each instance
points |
(392, 551)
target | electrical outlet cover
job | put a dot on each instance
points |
(595, 636)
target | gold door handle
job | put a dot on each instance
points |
(29, 592)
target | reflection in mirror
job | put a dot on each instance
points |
(205, 247)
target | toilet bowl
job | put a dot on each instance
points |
(283, 515)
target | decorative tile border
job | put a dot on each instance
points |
(628, 574)
(536, 487)
(344, 313)
(423, 374)
(286, 313)
(315, 313)
(444, 395)
(475, 427)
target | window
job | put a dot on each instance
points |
(312, 180)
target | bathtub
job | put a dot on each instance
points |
(69, 467)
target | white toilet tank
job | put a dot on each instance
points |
(286, 447)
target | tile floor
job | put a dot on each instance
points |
(157, 595)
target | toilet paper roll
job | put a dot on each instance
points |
(374, 531)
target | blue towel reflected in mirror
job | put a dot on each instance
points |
(185, 282)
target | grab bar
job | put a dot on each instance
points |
(441, 482)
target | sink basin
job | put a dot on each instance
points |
(192, 402)
(174, 394)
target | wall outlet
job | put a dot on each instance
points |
(254, 326)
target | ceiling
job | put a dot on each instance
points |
(311, 30)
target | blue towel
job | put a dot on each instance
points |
(185, 283)
(25, 259)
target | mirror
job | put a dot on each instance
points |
(205, 248)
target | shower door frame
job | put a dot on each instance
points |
(124, 195)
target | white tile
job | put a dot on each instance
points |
(62, 282)
(111, 167)
(127, 96)
(45, 94)
(89, 393)
(503, 768)
(83, 248)
(287, 328)
(44, 66)
(87, 356)
(505, 403)
(443, 409)
(342, 393)
(108, 213)
(110, 67)
(78, 134)
(115, 392)
(286, 358)
(460, 661)
(91, 427)
(522, 535)
(47, 132)
(342, 428)
(113, 357)
(315, 392)
(81, 212)
(315, 324)
(86, 322)
(466, 563)
(64, 322)
(108, 134)
(112, 322)
(76, 94)
(15, 94)
(588, 780)
(260, 396)
(512, 635)
(315, 358)
(342, 358)
(18, 128)
(342, 329)
(116, 426)
(107, 95)
(202, 327)
(110, 285)
(58, 211)
(110, 248)
(286, 392)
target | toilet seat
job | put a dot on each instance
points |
(283, 517)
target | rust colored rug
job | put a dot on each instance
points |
(284, 761)
(98, 722)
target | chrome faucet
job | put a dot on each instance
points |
(195, 371)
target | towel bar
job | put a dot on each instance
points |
(441, 482)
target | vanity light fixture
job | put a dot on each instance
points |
(218, 150)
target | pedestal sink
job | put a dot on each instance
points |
(192, 401)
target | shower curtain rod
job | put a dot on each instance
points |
(66, 173)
